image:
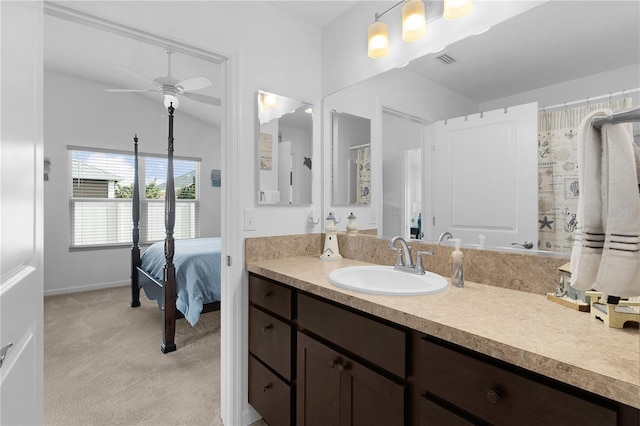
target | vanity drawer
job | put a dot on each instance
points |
(270, 340)
(372, 340)
(499, 396)
(269, 395)
(431, 414)
(271, 296)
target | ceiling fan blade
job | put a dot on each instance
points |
(195, 83)
(139, 76)
(130, 90)
(203, 98)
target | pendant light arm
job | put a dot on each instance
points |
(380, 15)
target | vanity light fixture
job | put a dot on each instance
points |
(378, 39)
(456, 9)
(414, 23)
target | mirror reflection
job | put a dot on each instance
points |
(285, 148)
(542, 57)
(351, 159)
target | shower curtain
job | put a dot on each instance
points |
(558, 175)
(363, 184)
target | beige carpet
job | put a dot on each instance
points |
(103, 364)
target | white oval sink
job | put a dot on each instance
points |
(386, 280)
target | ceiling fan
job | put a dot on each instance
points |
(170, 87)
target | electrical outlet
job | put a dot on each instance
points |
(250, 217)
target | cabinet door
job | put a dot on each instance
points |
(318, 386)
(335, 390)
(368, 398)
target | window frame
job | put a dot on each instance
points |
(144, 202)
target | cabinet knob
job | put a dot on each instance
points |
(493, 396)
(267, 327)
(267, 387)
(335, 361)
(267, 294)
(344, 366)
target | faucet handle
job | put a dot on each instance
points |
(399, 260)
(419, 264)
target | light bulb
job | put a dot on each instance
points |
(414, 23)
(378, 37)
(456, 9)
(170, 99)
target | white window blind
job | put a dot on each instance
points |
(101, 190)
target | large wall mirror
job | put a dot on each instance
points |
(350, 159)
(541, 59)
(285, 148)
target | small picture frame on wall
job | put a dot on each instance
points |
(215, 178)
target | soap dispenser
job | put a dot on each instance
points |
(330, 251)
(457, 265)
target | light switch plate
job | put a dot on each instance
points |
(372, 216)
(250, 217)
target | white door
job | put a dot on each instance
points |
(485, 179)
(21, 236)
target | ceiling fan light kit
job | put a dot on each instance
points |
(414, 23)
(172, 88)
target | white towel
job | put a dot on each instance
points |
(606, 255)
(589, 237)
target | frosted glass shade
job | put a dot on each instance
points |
(456, 9)
(170, 99)
(378, 36)
(414, 23)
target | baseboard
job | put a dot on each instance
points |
(89, 287)
(250, 415)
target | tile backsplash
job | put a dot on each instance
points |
(534, 273)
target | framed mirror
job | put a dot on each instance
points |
(285, 147)
(350, 159)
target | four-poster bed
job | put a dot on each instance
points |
(186, 280)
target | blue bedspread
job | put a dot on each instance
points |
(197, 264)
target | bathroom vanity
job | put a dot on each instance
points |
(321, 355)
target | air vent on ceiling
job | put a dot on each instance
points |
(445, 59)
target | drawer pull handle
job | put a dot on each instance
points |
(267, 327)
(267, 294)
(493, 396)
(334, 362)
(267, 387)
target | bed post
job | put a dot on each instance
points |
(169, 287)
(135, 249)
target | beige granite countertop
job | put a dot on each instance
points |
(521, 328)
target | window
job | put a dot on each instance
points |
(101, 191)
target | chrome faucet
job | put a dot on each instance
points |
(404, 261)
(404, 254)
(443, 235)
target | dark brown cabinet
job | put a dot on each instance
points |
(270, 355)
(315, 362)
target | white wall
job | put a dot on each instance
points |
(79, 112)
(574, 90)
(344, 40)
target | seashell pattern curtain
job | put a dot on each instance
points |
(558, 175)
(364, 176)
